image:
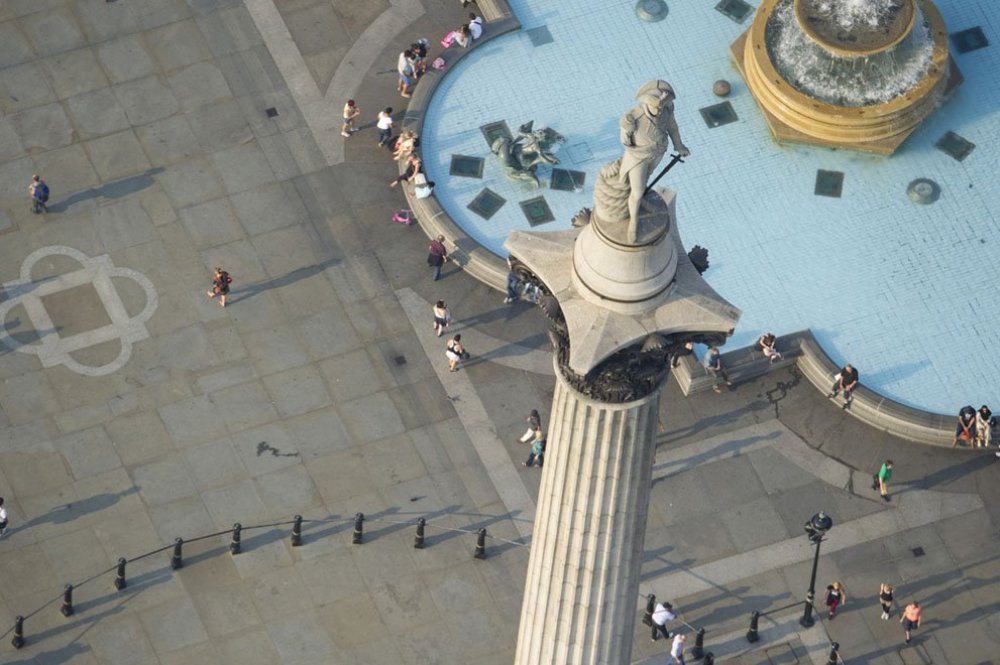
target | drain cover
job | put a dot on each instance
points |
(918, 551)
(718, 115)
(271, 112)
(829, 183)
(923, 191)
(494, 131)
(651, 10)
(969, 40)
(734, 9)
(537, 211)
(955, 146)
(486, 203)
(466, 167)
(539, 36)
(565, 180)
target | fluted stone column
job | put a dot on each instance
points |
(580, 597)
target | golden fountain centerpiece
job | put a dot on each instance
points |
(857, 74)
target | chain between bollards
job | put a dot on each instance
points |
(834, 656)
(358, 537)
(67, 604)
(234, 544)
(480, 545)
(297, 531)
(418, 541)
(18, 640)
(698, 650)
(752, 635)
(647, 618)
(120, 582)
(176, 562)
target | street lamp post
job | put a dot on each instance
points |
(815, 528)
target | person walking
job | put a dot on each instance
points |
(220, 286)
(404, 67)
(454, 351)
(384, 124)
(846, 381)
(836, 595)
(437, 254)
(537, 453)
(885, 599)
(442, 317)
(663, 613)
(677, 649)
(39, 193)
(534, 424)
(351, 112)
(911, 619)
(3, 518)
(713, 364)
(880, 481)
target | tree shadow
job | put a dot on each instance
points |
(110, 190)
(250, 290)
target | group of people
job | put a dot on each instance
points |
(974, 428)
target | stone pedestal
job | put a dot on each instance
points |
(586, 552)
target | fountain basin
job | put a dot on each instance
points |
(795, 116)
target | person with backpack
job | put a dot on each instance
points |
(220, 286)
(537, 453)
(39, 193)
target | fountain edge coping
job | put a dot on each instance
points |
(799, 348)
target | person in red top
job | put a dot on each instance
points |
(220, 286)
(910, 618)
(437, 254)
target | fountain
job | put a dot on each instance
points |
(857, 74)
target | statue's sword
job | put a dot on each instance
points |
(673, 160)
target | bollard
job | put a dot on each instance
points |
(752, 635)
(698, 650)
(647, 618)
(358, 536)
(67, 606)
(480, 545)
(834, 657)
(18, 640)
(297, 531)
(709, 659)
(176, 561)
(120, 582)
(234, 544)
(418, 542)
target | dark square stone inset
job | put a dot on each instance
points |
(955, 146)
(565, 180)
(537, 211)
(466, 167)
(539, 36)
(918, 551)
(579, 153)
(400, 360)
(969, 40)
(495, 130)
(486, 203)
(829, 183)
(271, 112)
(735, 9)
(718, 115)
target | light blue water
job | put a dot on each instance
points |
(904, 292)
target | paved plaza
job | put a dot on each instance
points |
(134, 410)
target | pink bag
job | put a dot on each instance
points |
(404, 216)
(449, 39)
(439, 64)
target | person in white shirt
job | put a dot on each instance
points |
(661, 615)
(384, 124)
(475, 25)
(677, 649)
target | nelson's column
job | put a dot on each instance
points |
(621, 295)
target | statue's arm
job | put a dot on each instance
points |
(675, 136)
(629, 124)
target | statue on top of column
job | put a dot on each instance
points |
(646, 133)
